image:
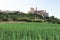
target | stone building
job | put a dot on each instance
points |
(39, 12)
(32, 10)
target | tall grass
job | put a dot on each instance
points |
(29, 31)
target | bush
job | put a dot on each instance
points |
(5, 19)
(59, 22)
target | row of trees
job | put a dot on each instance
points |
(17, 16)
(52, 19)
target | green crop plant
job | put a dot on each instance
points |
(29, 31)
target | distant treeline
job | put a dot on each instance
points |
(29, 17)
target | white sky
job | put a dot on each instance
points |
(52, 6)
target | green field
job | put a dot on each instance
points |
(29, 31)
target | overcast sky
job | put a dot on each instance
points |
(52, 6)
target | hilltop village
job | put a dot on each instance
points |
(32, 11)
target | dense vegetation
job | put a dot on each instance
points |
(29, 31)
(29, 17)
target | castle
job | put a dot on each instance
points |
(39, 12)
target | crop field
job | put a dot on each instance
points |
(29, 31)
